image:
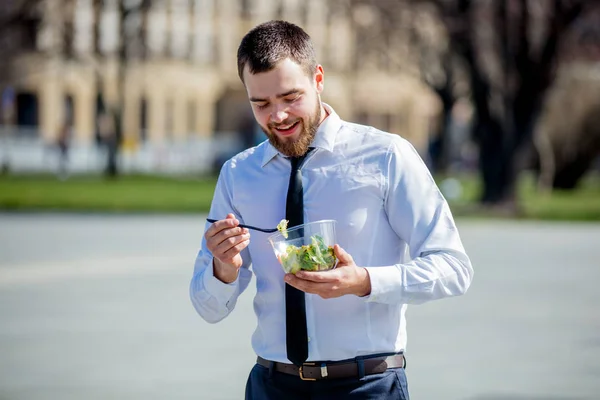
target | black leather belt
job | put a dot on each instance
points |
(311, 371)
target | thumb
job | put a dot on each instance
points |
(230, 216)
(342, 255)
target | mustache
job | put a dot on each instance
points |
(284, 123)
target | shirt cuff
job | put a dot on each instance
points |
(222, 291)
(383, 280)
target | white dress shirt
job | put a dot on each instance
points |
(390, 216)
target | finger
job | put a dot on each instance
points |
(325, 289)
(230, 233)
(298, 283)
(235, 250)
(319, 277)
(215, 240)
(229, 222)
(230, 242)
(236, 222)
(342, 255)
(225, 240)
(227, 252)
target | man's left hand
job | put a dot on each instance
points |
(346, 278)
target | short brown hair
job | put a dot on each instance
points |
(270, 42)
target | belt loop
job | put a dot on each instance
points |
(271, 368)
(360, 363)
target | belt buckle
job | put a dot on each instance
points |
(301, 373)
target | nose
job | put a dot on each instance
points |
(279, 115)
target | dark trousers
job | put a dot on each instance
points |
(265, 384)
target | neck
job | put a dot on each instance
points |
(324, 114)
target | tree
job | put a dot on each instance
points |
(510, 50)
(19, 22)
(567, 138)
(132, 21)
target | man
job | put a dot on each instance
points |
(397, 241)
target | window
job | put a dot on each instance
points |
(143, 135)
(27, 110)
(245, 8)
(68, 111)
(169, 110)
(191, 118)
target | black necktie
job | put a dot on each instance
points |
(295, 310)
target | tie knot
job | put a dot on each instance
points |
(297, 161)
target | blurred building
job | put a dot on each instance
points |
(170, 67)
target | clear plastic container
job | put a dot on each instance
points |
(307, 247)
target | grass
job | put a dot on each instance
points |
(96, 193)
(138, 193)
(582, 204)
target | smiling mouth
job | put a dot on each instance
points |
(286, 128)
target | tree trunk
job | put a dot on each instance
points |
(569, 175)
(114, 145)
(438, 147)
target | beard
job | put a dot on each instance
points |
(298, 147)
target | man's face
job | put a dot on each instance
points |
(286, 105)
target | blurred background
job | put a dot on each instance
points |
(116, 116)
(483, 89)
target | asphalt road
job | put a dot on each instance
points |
(96, 307)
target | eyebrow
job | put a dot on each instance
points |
(279, 96)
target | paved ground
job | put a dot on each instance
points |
(96, 307)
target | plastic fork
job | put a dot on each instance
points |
(249, 227)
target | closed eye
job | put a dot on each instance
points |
(292, 99)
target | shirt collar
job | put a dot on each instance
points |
(324, 139)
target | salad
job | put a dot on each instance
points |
(316, 256)
(282, 227)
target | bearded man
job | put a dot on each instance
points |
(341, 333)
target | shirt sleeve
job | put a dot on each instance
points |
(213, 299)
(419, 214)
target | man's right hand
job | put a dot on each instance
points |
(225, 240)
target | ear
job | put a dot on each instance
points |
(319, 78)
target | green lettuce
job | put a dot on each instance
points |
(282, 227)
(316, 256)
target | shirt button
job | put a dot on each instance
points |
(309, 339)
